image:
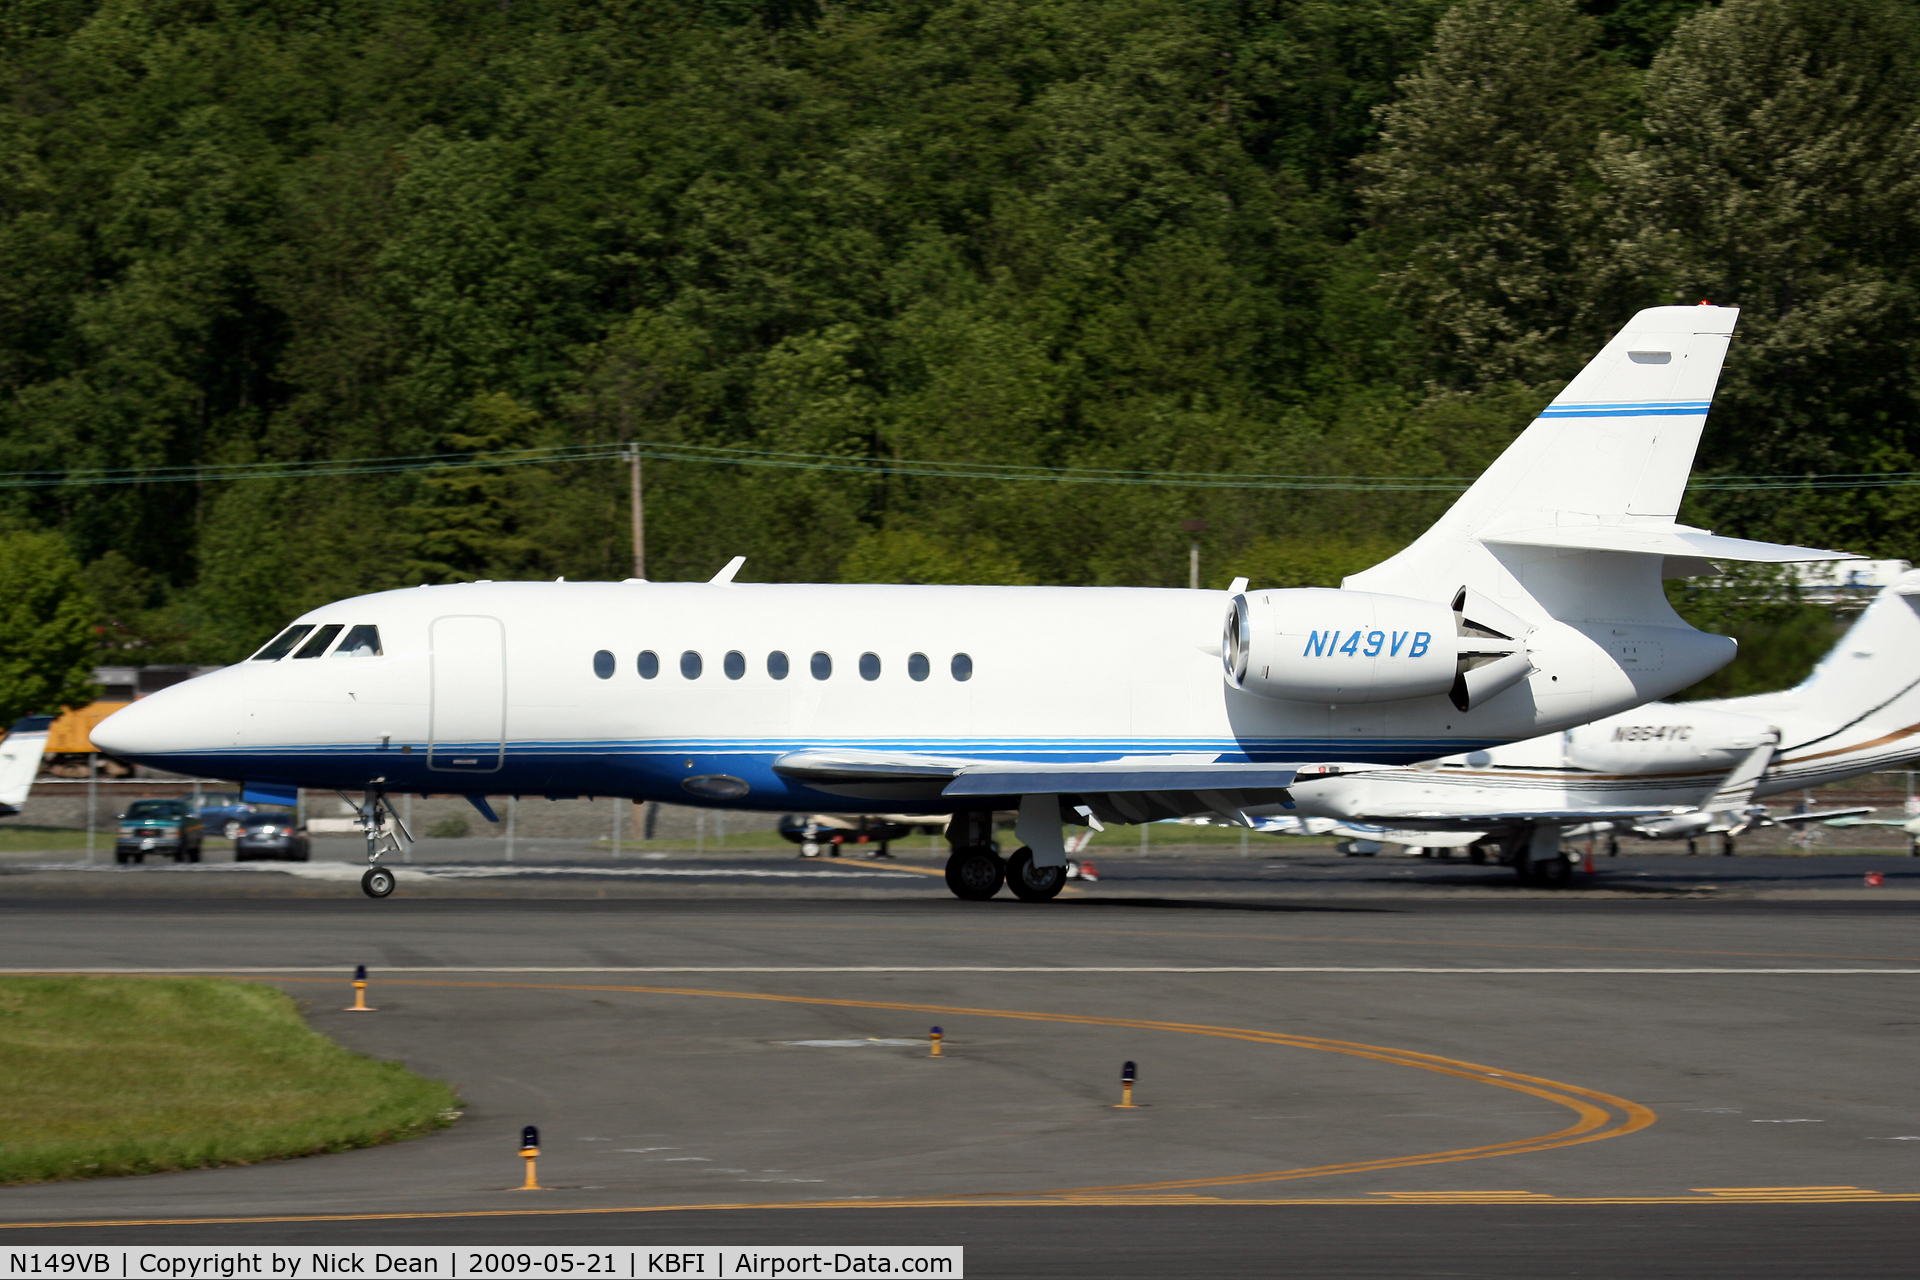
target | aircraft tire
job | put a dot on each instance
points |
(1477, 854)
(1033, 884)
(377, 883)
(1554, 873)
(975, 874)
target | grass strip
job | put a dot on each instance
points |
(108, 1076)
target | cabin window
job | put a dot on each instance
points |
(603, 664)
(735, 664)
(917, 666)
(822, 665)
(869, 666)
(649, 665)
(690, 665)
(281, 645)
(777, 665)
(361, 642)
(962, 667)
(317, 645)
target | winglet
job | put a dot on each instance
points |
(726, 574)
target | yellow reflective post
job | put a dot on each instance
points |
(360, 1004)
(1127, 1074)
(934, 1036)
(530, 1152)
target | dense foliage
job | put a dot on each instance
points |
(1318, 237)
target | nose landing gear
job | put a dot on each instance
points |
(375, 815)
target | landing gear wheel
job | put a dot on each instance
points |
(1033, 884)
(974, 874)
(809, 850)
(1726, 846)
(193, 854)
(377, 883)
(1477, 854)
(1554, 873)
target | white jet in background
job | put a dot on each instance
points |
(1665, 771)
(1535, 603)
(20, 755)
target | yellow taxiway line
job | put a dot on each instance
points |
(1383, 1199)
(1597, 1115)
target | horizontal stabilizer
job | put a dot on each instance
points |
(1659, 540)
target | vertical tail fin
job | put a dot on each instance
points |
(20, 756)
(1869, 682)
(1575, 521)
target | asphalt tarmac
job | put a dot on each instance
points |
(1417, 1079)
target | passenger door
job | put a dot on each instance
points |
(467, 719)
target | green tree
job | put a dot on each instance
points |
(1483, 189)
(46, 627)
(1779, 172)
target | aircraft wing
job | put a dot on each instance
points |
(1412, 822)
(1367, 831)
(1131, 789)
(1838, 818)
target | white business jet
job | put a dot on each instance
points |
(1665, 771)
(1534, 604)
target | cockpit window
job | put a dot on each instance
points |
(361, 642)
(281, 645)
(316, 646)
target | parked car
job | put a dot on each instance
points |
(271, 835)
(224, 813)
(159, 826)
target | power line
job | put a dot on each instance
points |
(725, 455)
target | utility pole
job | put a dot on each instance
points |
(1196, 528)
(639, 513)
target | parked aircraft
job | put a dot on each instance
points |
(1533, 604)
(1665, 771)
(20, 756)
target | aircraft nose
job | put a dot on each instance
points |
(202, 714)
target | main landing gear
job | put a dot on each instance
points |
(1033, 884)
(375, 815)
(975, 869)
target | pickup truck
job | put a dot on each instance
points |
(159, 826)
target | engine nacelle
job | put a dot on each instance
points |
(1312, 644)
